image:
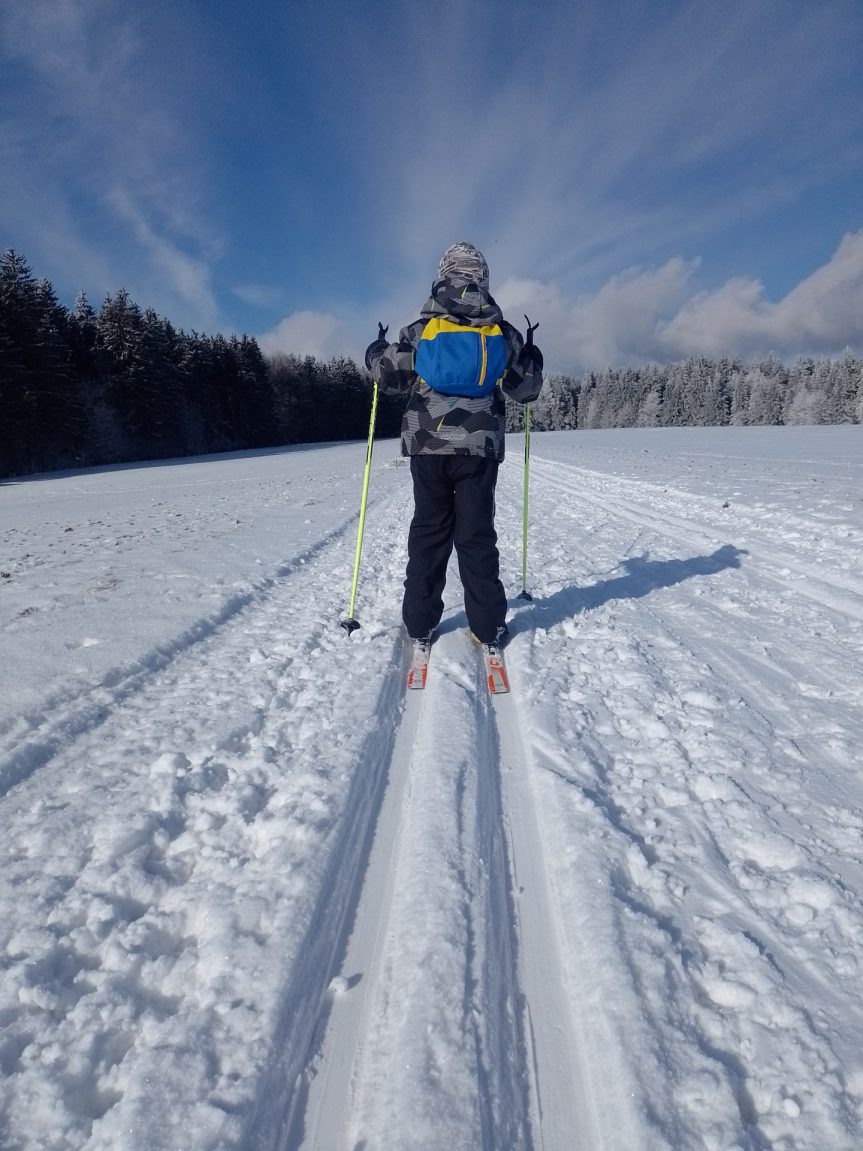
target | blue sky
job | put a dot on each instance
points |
(649, 180)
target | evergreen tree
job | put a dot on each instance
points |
(351, 396)
(82, 338)
(740, 391)
(119, 330)
(58, 423)
(40, 405)
(254, 394)
(767, 385)
(650, 413)
(803, 402)
(18, 327)
(554, 409)
(193, 355)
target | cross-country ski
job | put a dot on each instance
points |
(495, 669)
(419, 666)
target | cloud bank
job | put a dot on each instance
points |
(638, 316)
(309, 333)
(658, 315)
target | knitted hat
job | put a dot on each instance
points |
(465, 261)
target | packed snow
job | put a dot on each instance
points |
(254, 895)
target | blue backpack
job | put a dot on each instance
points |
(458, 360)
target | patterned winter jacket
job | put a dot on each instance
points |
(435, 424)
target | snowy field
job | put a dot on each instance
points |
(253, 897)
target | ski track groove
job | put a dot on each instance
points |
(563, 1116)
(234, 731)
(486, 998)
(316, 1114)
(842, 595)
(37, 737)
(304, 1015)
(676, 644)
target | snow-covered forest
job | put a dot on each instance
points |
(700, 392)
(84, 386)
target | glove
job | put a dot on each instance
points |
(378, 345)
(530, 353)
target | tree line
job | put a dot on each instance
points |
(699, 392)
(80, 387)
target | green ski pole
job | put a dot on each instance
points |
(525, 594)
(351, 624)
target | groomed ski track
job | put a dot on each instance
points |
(455, 901)
(591, 914)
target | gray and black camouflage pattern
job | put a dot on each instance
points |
(435, 424)
(463, 260)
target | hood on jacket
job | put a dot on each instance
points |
(463, 301)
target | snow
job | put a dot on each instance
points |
(255, 895)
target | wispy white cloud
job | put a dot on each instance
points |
(259, 295)
(618, 323)
(632, 134)
(104, 152)
(188, 275)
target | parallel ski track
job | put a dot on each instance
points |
(280, 1116)
(562, 1105)
(842, 595)
(530, 1084)
(316, 1113)
(127, 717)
(840, 599)
(733, 671)
(31, 741)
(332, 1089)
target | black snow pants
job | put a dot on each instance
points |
(453, 504)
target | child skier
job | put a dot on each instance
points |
(458, 360)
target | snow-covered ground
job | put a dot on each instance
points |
(252, 896)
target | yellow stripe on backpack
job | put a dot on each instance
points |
(460, 360)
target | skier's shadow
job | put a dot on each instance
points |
(641, 576)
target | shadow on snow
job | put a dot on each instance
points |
(640, 577)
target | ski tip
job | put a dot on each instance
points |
(350, 625)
